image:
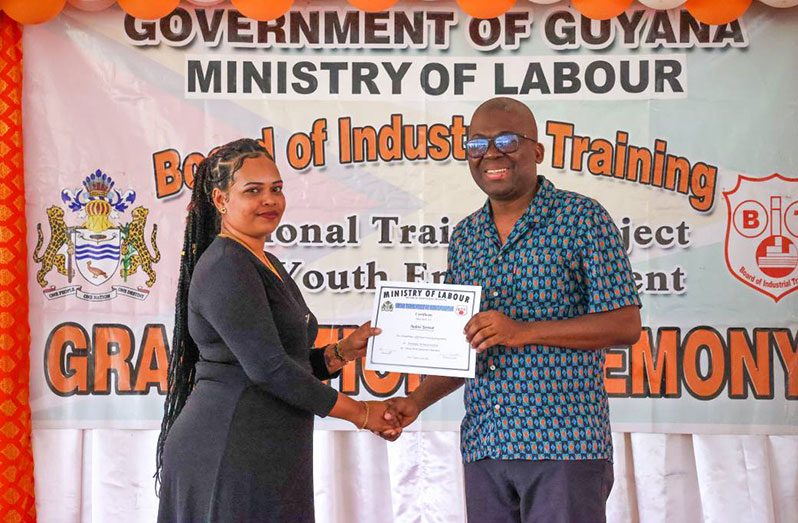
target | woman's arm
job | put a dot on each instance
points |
(328, 360)
(229, 294)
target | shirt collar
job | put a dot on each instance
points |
(538, 208)
(541, 204)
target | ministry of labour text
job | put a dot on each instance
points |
(579, 77)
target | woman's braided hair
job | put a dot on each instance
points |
(202, 226)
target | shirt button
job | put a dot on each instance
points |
(497, 408)
(493, 367)
(495, 293)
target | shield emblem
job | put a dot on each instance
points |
(762, 234)
(97, 254)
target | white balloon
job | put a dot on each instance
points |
(92, 5)
(780, 3)
(205, 3)
(662, 4)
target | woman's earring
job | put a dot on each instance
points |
(223, 210)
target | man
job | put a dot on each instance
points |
(557, 289)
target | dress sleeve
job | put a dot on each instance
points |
(316, 355)
(608, 280)
(319, 366)
(234, 302)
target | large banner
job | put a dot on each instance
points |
(684, 132)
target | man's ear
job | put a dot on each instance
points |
(539, 151)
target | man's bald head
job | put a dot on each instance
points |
(501, 104)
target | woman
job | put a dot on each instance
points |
(237, 434)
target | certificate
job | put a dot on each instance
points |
(422, 329)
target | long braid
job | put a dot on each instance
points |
(202, 226)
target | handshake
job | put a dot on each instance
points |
(387, 418)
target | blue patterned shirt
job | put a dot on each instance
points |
(564, 258)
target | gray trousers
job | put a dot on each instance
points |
(515, 491)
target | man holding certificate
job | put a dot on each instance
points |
(556, 289)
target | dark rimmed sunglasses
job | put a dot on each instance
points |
(505, 143)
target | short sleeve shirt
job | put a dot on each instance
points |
(564, 258)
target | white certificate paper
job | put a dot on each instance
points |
(422, 329)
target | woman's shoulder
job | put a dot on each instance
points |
(221, 261)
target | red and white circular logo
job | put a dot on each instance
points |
(762, 234)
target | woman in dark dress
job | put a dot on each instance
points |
(236, 441)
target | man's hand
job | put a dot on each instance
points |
(401, 410)
(381, 423)
(486, 329)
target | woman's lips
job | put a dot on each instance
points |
(269, 215)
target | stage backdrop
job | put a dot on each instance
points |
(685, 132)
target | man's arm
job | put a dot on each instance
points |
(432, 389)
(592, 331)
(486, 329)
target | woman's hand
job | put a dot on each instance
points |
(353, 347)
(403, 410)
(378, 423)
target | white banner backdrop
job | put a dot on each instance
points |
(685, 132)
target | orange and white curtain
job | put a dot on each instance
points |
(16, 459)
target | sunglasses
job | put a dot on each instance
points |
(505, 143)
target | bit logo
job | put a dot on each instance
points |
(762, 234)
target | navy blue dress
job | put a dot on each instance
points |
(242, 447)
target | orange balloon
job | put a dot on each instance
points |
(485, 8)
(148, 9)
(263, 9)
(716, 12)
(372, 6)
(601, 9)
(91, 5)
(30, 12)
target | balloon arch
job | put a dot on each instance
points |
(712, 12)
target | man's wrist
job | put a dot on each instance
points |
(528, 333)
(420, 401)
